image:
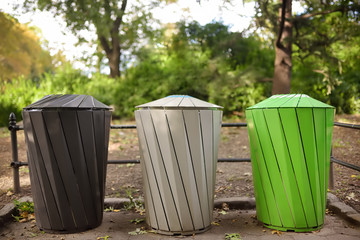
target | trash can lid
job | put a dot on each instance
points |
(67, 101)
(290, 101)
(178, 101)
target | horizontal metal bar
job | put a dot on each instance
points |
(345, 164)
(234, 124)
(136, 161)
(338, 124)
(223, 125)
(15, 127)
(19, 164)
(123, 126)
(347, 125)
(234, 160)
(122, 161)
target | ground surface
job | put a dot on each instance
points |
(233, 179)
(117, 225)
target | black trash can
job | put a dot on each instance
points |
(67, 139)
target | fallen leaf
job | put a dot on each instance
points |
(351, 196)
(276, 232)
(215, 223)
(222, 212)
(225, 206)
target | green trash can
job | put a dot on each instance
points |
(290, 141)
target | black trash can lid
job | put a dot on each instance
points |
(179, 101)
(67, 101)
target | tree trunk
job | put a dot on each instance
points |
(114, 63)
(283, 51)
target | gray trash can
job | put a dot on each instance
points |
(179, 137)
(67, 139)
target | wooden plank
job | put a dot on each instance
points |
(263, 172)
(286, 167)
(151, 217)
(41, 213)
(177, 129)
(279, 185)
(296, 154)
(62, 156)
(193, 128)
(49, 165)
(206, 122)
(320, 138)
(101, 158)
(262, 210)
(186, 102)
(153, 174)
(157, 158)
(73, 138)
(172, 169)
(306, 125)
(329, 131)
(88, 140)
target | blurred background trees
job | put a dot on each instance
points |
(211, 62)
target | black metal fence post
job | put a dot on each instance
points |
(13, 129)
(331, 172)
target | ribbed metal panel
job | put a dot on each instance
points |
(178, 158)
(67, 154)
(290, 155)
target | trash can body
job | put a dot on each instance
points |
(290, 139)
(67, 139)
(178, 137)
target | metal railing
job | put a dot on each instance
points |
(15, 164)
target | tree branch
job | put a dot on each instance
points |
(116, 25)
(309, 15)
(104, 44)
(282, 23)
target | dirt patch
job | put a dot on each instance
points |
(232, 179)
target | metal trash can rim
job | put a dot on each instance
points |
(68, 102)
(289, 101)
(179, 101)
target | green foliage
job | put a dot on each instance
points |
(335, 81)
(14, 96)
(119, 25)
(20, 92)
(23, 210)
(20, 50)
(232, 236)
(137, 220)
(133, 204)
(207, 62)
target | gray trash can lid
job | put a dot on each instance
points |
(67, 101)
(290, 101)
(179, 101)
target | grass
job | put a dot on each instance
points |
(4, 132)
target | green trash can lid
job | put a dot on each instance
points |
(67, 101)
(290, 101)
(179, 101)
